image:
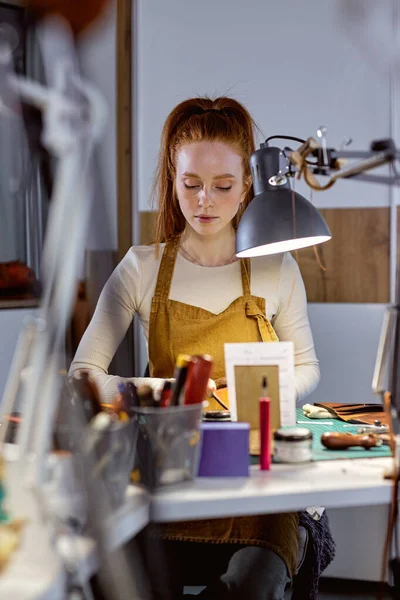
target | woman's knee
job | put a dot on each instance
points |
(259, 573)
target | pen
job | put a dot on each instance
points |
(265, 424)
(166, 394)
(118, 405)
(180, 375)
(131, 398)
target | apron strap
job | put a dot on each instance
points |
(166, 269)
(245, 266)
(167, 265)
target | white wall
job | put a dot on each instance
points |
(97, 53)
(346, 340)
(295, 65)
(10, 326)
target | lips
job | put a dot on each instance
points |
(205, 218)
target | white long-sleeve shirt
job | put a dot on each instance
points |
(131, 287)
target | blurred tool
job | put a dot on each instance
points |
(87, 392)
(334, 440)
(373, 429)
(79, 15)
(217, 396)
(145, 395)
(120, 407)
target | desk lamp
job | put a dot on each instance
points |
(279, 219)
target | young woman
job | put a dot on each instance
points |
(193, 295)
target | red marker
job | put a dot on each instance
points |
(198, 375)
(265, 424)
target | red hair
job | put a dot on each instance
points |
(222, 119)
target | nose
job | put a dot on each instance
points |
(205, 199)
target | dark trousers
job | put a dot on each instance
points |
(228, 571)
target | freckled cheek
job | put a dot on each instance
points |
(188, 202)
(230, 203)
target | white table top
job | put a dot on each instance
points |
(337, 483)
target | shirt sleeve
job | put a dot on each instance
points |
(117, 304)
(291, 324)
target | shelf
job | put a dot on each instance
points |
(22, 303)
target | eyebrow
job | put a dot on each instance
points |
(224, 176)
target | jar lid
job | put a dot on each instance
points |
(217, 415)
(293, 434)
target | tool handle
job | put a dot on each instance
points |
(341, 441)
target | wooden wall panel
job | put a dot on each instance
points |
(124, 125)
(147, 227)
(356, 258)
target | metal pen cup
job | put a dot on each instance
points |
(168, 446)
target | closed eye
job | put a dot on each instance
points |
(224, 189)
(191, 187)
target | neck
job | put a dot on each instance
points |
(209, 251)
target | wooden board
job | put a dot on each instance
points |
(248, 380)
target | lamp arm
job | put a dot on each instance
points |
(335, 164)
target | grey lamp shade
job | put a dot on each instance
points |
(274, 222)
(277, 219)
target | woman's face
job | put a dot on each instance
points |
(209, 185)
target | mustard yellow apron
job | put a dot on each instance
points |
(177, 328)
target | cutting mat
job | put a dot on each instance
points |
(322, 453)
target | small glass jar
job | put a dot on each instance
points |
(292, 445)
